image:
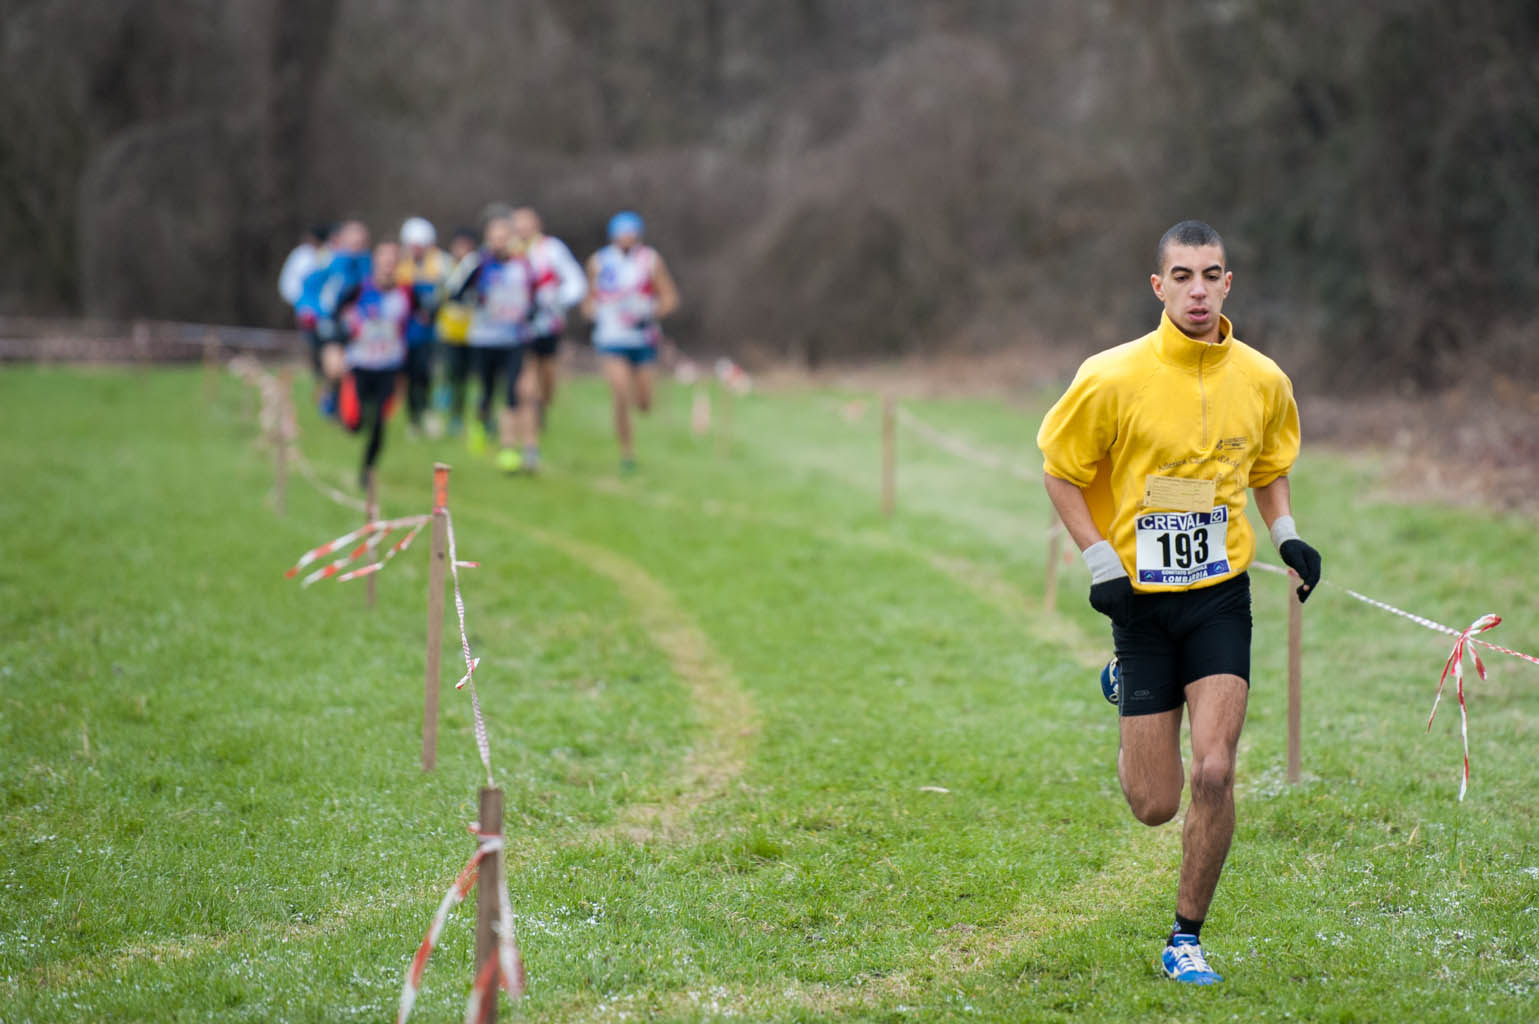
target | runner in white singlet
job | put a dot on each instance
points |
(629, 292)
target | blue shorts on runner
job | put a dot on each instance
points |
(636, 355)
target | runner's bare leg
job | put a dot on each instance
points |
(1217, 707)
(1149, 765)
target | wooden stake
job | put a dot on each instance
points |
(1054, 553)
(889, 456)
(1295, 674)
(280, 439)
(438, 567)
(371, 513)
(488, 885)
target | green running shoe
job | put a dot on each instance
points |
(509, 461)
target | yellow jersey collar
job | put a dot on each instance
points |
(1175, 347)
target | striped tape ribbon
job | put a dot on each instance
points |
(482, 744)
(505, 970)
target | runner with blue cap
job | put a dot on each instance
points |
(629, 292)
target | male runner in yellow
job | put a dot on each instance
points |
(1147, 459)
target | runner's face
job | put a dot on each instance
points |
(353, 237)
(627, 240)
(386, 256)
(498, 235)
(1193, 285)
(526, 225)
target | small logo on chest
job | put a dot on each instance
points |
(1233, 444)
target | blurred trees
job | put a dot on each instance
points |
(829, 178)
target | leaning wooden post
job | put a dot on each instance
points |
(438, 566)
(280, 439)
(487, 904)
(1054, 553)
(1295, 673)
(889, 456)
(371, 513)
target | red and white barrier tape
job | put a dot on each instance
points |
(1436, 627)
(1463, 644)
(268, 387)
(1455, 663)
(506, 970)
(482, 744)
(372, 534)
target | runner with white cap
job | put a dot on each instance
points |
(423, 269)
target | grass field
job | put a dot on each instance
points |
(715, 692)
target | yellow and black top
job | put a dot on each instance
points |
(1164, 435)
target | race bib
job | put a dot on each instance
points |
(379, 343)
(1176, 549)
(508, 302)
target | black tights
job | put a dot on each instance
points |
(374, 389)
(419, 379)
(507, 362)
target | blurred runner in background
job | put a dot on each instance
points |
(345, 267)
(559, 284)
(374, 315)
(302, 259)
(629, 291)
(303, 273)
(452, 327)
(423, 268)
(497, 285)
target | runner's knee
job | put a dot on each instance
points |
(1212, 777)
(1154, 809)
(1155, 803)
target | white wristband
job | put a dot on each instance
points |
(1102, 561)
(1283, 531)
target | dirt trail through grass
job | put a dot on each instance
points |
(726, 717)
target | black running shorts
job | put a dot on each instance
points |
(545, 346)
(1171, 640)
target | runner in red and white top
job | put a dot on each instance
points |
(629, 292)
(559, 284)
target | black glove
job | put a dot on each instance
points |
(1305, 561)
(1113, 598)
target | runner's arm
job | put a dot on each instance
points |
(667, 292)
(588, 303)
(1111, 591)
(573, 287)
(1073, 509)
(1274, 500)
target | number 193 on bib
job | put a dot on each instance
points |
(1179, 548)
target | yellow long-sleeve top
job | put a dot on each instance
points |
(1169, 406)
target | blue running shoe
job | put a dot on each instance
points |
(1111, 681)
(1182, 960)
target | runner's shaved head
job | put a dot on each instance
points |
(1192, 233)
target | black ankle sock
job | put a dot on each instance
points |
(1187, 926)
